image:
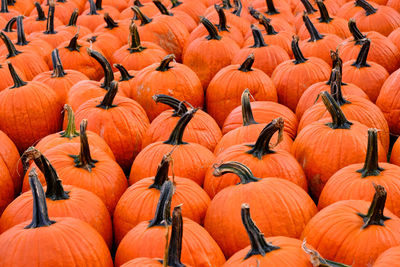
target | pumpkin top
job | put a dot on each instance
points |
(271, 9)
(371, 166)
(221, 26)
(125, 75)
(375, 215)
(226, 4)
(361, 61)
(177, 133)
(339, 121)
(18, 82)
(58, 69)
(4, 7)
(74, 18)
(238, 8)
(109, 97)
(247, 113)
(108, 72)
(269, 29)
(134, 44)
(21, 39)
(369, 9)
(308, 6)
(142, 17)
(179, 106)
(50, 19)
(247, 64)
(336, 87)
(164, 65)
(359, 38)
(163, 9)
(110, 23)
(317, 260)
(242, 171)
(314, 33)
(176, 3)
(40, 14)
(324, 18)
(298, 55)
(99, 4)
(92, 8)
(9, 27)
(162, 172)
(175, 243)
(337, 62)
(163, 211)
(258, 37)
(70, 131)
(73, 44)
(212, 31)
(12, 51)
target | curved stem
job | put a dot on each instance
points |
(258, 37)
(40, 216)
(308, 6)
(247, 113)
(221, 19)
(212, 31)
(138, 3)
(254, 13)
(73, 44)
(12, 51)
(317, 260)
(375, 212)
(371, 165)
(163, 10)
(20, 32)
(142, 17)
(324, 18)
(314, 34)
(18, 82)
(259, 246)
(70, 131)
(247, 64)
(108, 72)
(99, 4)
(298, 55)
(134, 44)
(369, 9)
(176, 3)
(92, 8)
(336, 87)
(271, 10)
(162, 216)
(55, 190)
(242, 171)
(238, 8)
(164, 65)
(125, 76)
(111, 24)
(74, 18)
(162, 172)
(50, 19)
(175, 243)
(226, 4)
(40, 14)
(10, 24)
(262, 146)
(267, 25)
(58, 70)
(179, 107)
(361, 61)
(177, 133)
(359, 38)
(84, 159)
(109, 97)
(339, 121)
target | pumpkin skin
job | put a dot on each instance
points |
(124, 78)
(390, 256)
(395, 154)
(224, 91)
(63, 10)
(223, 216)
(340, 233)
(93, 16)
(6, 187)
(71, 26)
(5, 77)
(119, 28)
(105, 41)
(38, 22)
(9, 154)
(192, 8)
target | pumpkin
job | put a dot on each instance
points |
(194, 169)
(147, 239)
(72, 27)
(332, 6)
(125, 79)
(348, 10)
(182, 16)
(7, 187)
(137, 55)
(79, 238)
(177, 79)
(271, 198)
(102, 9)
(220, 52)
(192, 8)
(311, 12)
(117, 4)
(202, 129)
(119, 29)
(90, 18)
(279, 24)
(293, 77)
(388, 257)
(6, 79)
(63, 10)
(24, 7)
(106, 42)
(38, 22)
(128, 213)
(9, 154)
(69, 202)
(147, 8)
(367, 75)
(9, 28)
(341, 231)
(393, 4)
(86, 167)
(261, 157)
(276, 10)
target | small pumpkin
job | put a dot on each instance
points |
(192, 8)
(71, 25)
(90, 18)
(119, 28)
(125, 79)
(181, 16)
(104, 41)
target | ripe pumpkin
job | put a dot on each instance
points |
(147, 8)
(279, 24)
(271, 198)
(104, 41)
(38, 22)
(224, 90)
(9, 28)
(79, 239)
(6, 13)
(311, 12)
(388, 257)
(119, 28)
(6, 187)
(102, 9)
(395, 153)
(9, 154)
(181, 16)
(125, 79)
(276, 10)
(71, 25)
(192, 8)
(90, 18)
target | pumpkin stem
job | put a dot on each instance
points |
(4, 6)
(339, 121)
(84, 159)
(138, 3)
(125, 76)
(74, 18)
(238, 8)
(175, 243)
(73, 44)
(10, 24)
(375, 215)
(134, 44)
(336, 87)
(271, 10)
(162, 172)
(58, 70)
(222, 19)
(226, 4)
(142, 17)
(298, 55)
(247, 64)
(267, 25)
(369, 9)
(212, 31)
(242, 171)
(258, 37)
(40, 216)
(259, 246)
(359, 38)
(316, 259)
(262, 146)
(177, 133)
(176, 3)
(92, 8)
(164, 65)
(40, 14)
(18, 82)
(108, 99)
(111, 24)
(361, 61)
(314, 34)
(70, 132)
(108, 72)
(20, 32)
(308, 6)
(371, 165)
(50, 19)
(336, 63)
(163, 10)
(99, 4)
(324, 18)
(162, 216)
(55, 190)
(179, 107)
(247, 113)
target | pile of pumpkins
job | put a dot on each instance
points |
(199, 133)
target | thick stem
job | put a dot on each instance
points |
(258, 37)
(50, 19)
(375, 212)
(337, 63)
(175, 243)
(162, 172)
(40, 14)
(108, 72)
(242, 171)
(55, 190)
(298, 55)
(267, 25)
(109, 97)
(308, 6)
(247, 64)
(111, 24)
(134, 45)
(177, 133)
(163, 9)
(92, 8)
(226, 4)
(40, 216)
(142, 17)
(259, 246)
(254, 13)
(324, 18)
(371, 165)
(212, 31)
(369, 9)
(179, 107)
(336, 87)
(359, 38)
(176, 3)
(247, 113)
(99, 4)
(138, 3)
(18, 82)
(125, 76)
(164, 65)
(222, 19)
(74, 18)
(162, 216)
(10, 25)
(361, 61)
(73, 44)
(339, 121)
(262, 146)
(84, 159)
(238, 8)
(271, 10)
(4, 6)
(70, 131)
(314, 34)
(20, 32)
(12, 51)
(58, 70)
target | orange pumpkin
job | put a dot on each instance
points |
(195, 9)
(90, 18)
(106, 42)
(181, 16)
(119, 29)
(389, 257)
(9, 154)
(6, 13)
(38, 22)
(72, 27)
(6, 187)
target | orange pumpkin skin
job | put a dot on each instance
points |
(105, 41)
(38, 23)
(394, 36)
(5, 77)
(389, 257)
(63, 10)
(10, 155)
(6, 187)
(176, 15)
(124, 78)
(395, 154)
(118, 28)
